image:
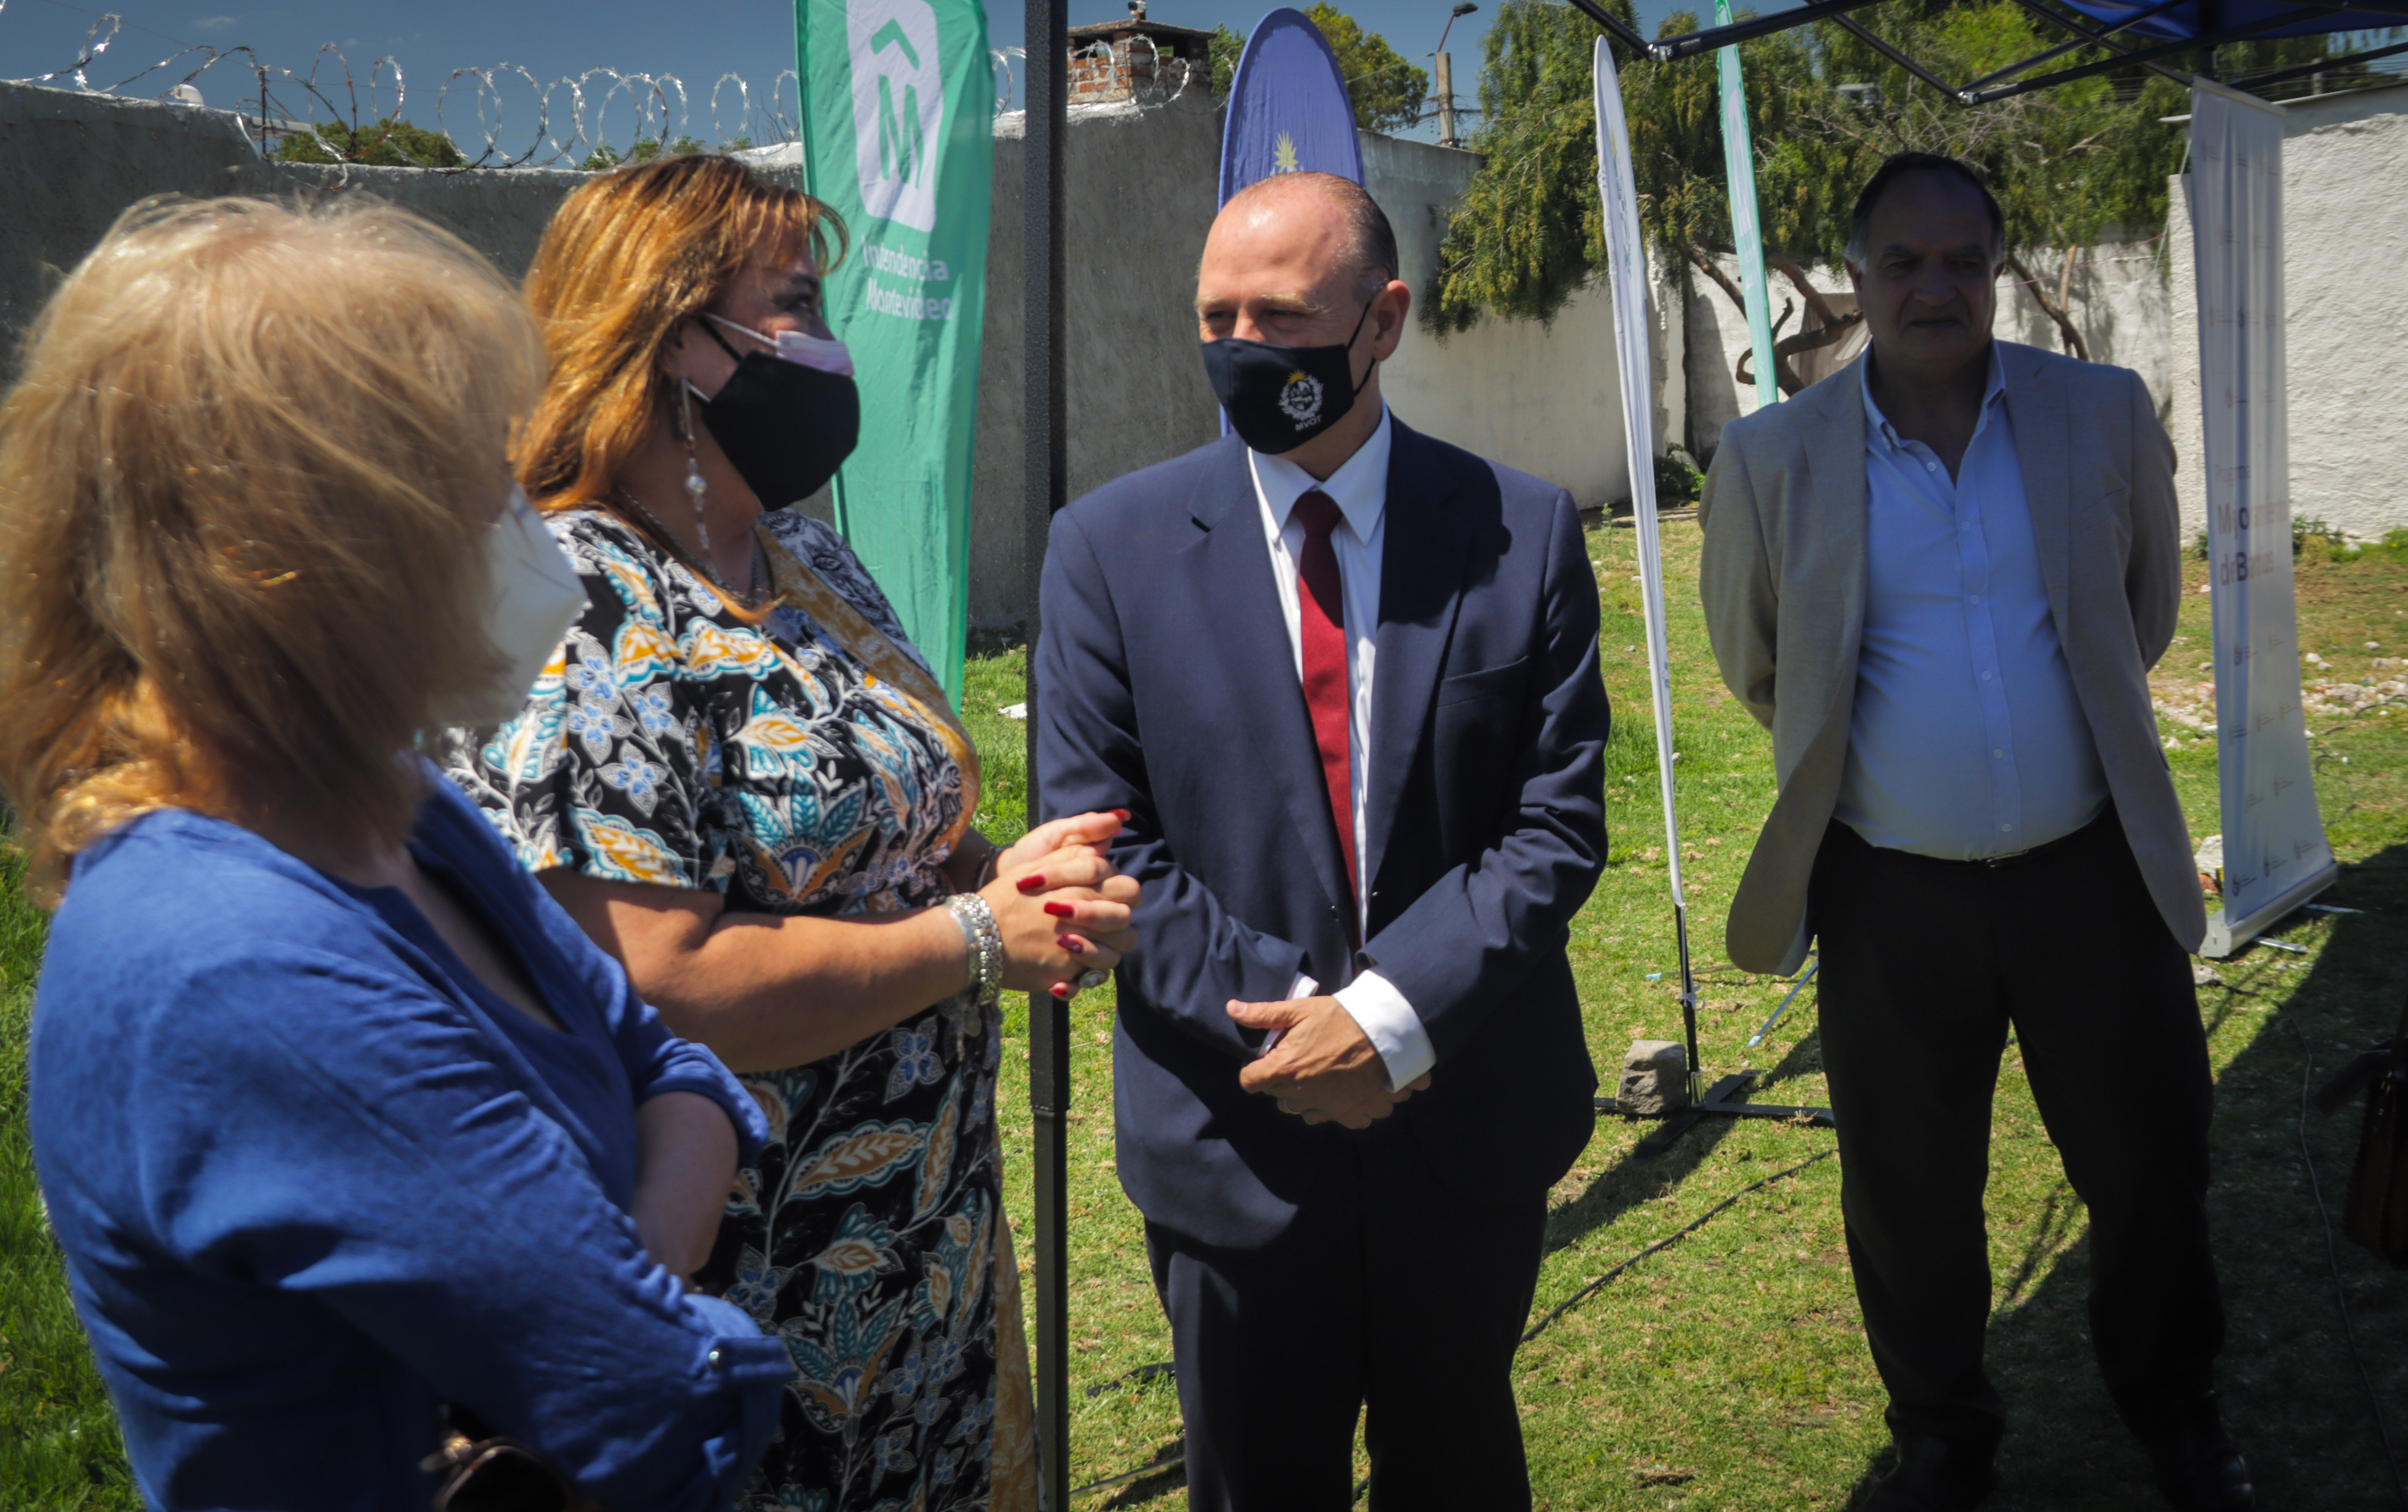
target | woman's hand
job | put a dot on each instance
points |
(1094, 831)
(1062, 912)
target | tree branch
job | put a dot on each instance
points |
(2071, 337)
(1813, 296)
(1706, 265)
(1782, 374)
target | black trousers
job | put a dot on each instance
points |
(1925, 964)
(1386, 1296)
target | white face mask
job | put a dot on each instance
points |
(824, 354)
(536, 597)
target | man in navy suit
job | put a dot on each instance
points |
(1344, 678)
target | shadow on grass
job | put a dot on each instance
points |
(1629, 1182)
(1154, 1483)
(2291, 1392)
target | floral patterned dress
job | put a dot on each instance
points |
(806, 764)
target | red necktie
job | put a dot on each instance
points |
(1320, 623)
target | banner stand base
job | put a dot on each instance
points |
(1724, 1099)
(2226, 938)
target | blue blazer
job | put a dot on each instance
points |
(1167, 686)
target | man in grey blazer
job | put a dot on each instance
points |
(1939, 579)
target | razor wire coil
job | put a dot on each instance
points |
(507, 117)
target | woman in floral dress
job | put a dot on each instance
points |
(741, 778)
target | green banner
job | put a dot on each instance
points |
(898, 104)
(1747, 234)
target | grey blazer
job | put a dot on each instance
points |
(1783, 587)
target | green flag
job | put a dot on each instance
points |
(898, 103)
(1739, 167)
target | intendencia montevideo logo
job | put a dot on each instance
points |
(898, 107)
(898, 120)
(915, 303)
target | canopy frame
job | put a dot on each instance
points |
(2005, 82)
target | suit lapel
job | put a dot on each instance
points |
(1248, 638)
(1422, 567)
(2045, 451)
(1830, 544)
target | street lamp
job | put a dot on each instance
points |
(1445, 76)
(1463, 8)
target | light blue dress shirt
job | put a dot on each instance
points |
(1968, 741)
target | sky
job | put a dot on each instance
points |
(699, 43)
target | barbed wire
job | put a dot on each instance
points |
(503, 97)
(1165, 77)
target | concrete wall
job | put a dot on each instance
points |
(2345, 302)
(1545, 399)
(1139, 193)
(82, 158)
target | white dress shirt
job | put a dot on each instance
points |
(1359, 488)
(1968, 741)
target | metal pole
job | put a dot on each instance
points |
(1689, 1004)
(1444, 73)
(1043, 481)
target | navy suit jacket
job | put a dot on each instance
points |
(1167, 686)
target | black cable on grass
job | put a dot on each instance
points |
(1160, 1369)
(2332, 1259)
(1668, 1241)
(1146, 1469)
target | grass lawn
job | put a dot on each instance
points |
(1729, 1371)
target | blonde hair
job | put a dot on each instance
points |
(629, 257)
(244, 479)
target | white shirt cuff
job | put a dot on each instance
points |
(1392, 1026)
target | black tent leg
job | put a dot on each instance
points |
(1044, 483)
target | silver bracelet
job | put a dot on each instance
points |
(982, 944)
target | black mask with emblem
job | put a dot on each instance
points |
(1278, 398)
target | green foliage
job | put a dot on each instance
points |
(2070, 164)
(2392, 550)
(1387, 89)
(59, 1443)
(2306, 528)
(1227, 47)
(645, 150)
(386, 143)
(1528, 232)
(1678, 482)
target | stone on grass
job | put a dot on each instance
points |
(1654, 1078)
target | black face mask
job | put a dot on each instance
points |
(1278, 398)
(786, 428)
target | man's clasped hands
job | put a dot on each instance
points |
(1320, 1065)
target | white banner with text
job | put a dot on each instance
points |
(2275, 854)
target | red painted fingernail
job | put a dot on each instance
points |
(1061, 989)
(1061, 910)
(1071, 943)
(1034, 882)
(1121, 814)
